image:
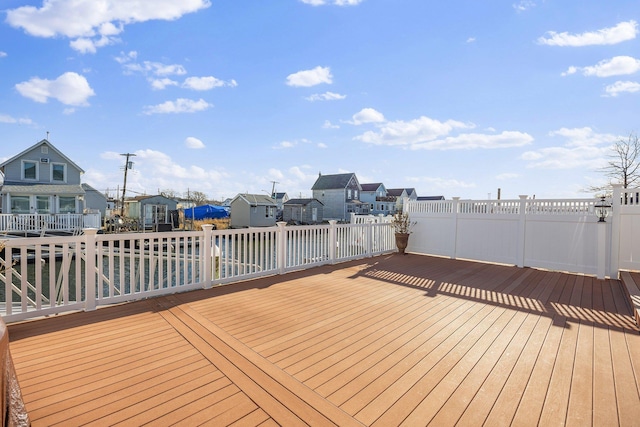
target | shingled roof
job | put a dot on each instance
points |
(332, 182)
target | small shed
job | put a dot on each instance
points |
(253, 210)
(303, 211)
(151, 211)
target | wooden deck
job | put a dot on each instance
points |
(392, 340)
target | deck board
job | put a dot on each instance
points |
(390, 340)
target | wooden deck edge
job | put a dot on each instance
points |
(632, 291)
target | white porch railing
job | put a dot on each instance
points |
(58, 274)
(42, 223)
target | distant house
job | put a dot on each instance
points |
(280, 199)
(94, 200)
(400, 194)
(340, 196)
(41, 179)
(429, 198)
(153, 212)
(303, 211)
(253, 210)
(380, 203)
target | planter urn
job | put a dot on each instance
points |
(402, 240)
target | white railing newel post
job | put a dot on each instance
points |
(616, 202)
(333, 240)
(455, 210)
(90, 268)
(281, 245)
(208, 263)
(522, 231)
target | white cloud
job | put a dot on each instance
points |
(91, 24)
(524, 5)
(180, 105)
(284, 145)
(309, 78)
(327, 96)
(607, 36)
(322, 145)
(3, 54)
(4, 118)
(366, 115)
(471, 40)
(206, 83)
(583, 149)
(193, 143)
(412, 132)
(160, 84)
(616, 66)
(328, 125)
(468, 141)
(152, 68)
(70, 89)
(621, 87)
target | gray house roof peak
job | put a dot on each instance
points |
(332, 182)
(36, 145)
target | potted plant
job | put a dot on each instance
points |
(402, 227)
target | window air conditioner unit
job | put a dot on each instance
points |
(44, 160)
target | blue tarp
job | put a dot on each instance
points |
(206, 212)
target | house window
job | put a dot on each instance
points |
(58, 172)
(29, 170)
(355, 194)
(20, 204)
(67, 205)
(372, 206)
(349, 194)
(42, 204)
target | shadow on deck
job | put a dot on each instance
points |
(384, 341)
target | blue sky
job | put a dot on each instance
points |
(455, 98)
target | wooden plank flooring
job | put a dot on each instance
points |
(392, 340)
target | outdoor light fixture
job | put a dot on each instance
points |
(602, 209)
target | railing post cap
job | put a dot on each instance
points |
(333, 221)
(281, 223)
(90, 231)
(207, 227)
(456, 198)
(523, 196)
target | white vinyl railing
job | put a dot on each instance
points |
(42, 223)
(46, 275)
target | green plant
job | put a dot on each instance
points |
(401, 223)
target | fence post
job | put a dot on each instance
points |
(616, 202)
(369, 237)
(454, 225)
(522, 231)
(90, 268)
(281, 245)
(333, 240)
(602, 249)
(207, 255)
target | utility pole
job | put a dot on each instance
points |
(273, 189)
(128, 165)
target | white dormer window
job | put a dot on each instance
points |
(29, 170)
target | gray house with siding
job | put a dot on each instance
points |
(152, 211)
(339, 195)
(42, 180)
(303, 211)
(253, 210)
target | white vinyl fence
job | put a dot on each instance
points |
(47, 275)
(563, 235)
